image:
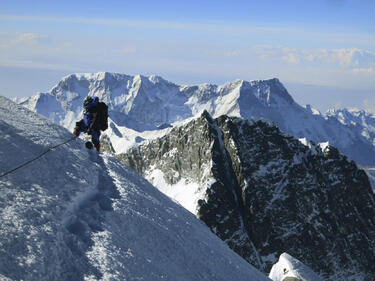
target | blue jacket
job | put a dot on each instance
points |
(90, 111)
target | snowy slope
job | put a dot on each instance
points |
(363, 123)
(138, 104)
(75, 215)
(287, 266)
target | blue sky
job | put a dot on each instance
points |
(328, 43)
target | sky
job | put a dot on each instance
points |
(323, 43)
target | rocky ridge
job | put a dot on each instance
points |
(265, 193)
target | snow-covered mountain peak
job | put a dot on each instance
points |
(358, 120)
(351, 116)
(271, 92)
(312, 110)
(157, 79)
(230, 86)
(144, 103)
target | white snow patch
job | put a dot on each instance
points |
(324, 146)
(287, 266)
(185, 192)
(305, 142)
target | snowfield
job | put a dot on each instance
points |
(74, 214)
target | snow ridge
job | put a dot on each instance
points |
(76, 215)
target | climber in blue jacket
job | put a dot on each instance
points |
(95, 116)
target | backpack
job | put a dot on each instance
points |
(102, 118)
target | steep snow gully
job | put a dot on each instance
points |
(74, 214)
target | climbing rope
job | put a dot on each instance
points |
(37, 157)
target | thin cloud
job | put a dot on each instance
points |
(33, 64)
(291, 58)
(128, 51)
(176, 25)
(138, 24)
(354, 58)
(29, 38)
(369, 105)
(21, 39)
(369, 70)
(222, 29)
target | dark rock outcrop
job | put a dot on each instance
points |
(270, 194)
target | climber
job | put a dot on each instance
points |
(95, 119)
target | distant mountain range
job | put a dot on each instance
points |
(139, 104)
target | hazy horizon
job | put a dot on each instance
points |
(319, 97)
(327, 46)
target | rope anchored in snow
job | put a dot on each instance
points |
(37, 157)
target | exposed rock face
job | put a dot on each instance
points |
(195, 152)
(317, 205)
(265, 193)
